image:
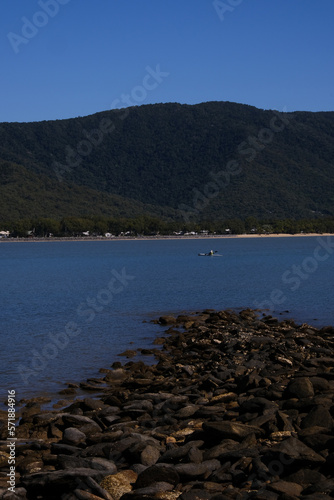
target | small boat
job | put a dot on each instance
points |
(210, 254)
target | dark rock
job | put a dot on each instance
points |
(145, 405)
(284, 422)
(93, 404)
(79, 421)
(51, 484)
(149, 491)
(156, 474)
(320, 384)
(286, 488)
(150, 455)
(197, 470)
(129, 353)
(179, 452)
(263, 494)
(68, 391)
(196, 494)
(300, 388)
(71, 462)
(167, 320)
(322, 486)
(66, 449)
(73, 436)
(239, 453)
(319, 442)
(195, 455)
(306, 477)
(317, 496)
(296, 450)
(318, 416)
(102, 464)
(225, 446)
(186, 411)
(230, 430)
(256, 405)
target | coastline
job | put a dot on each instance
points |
(161, 237)
(236, 404)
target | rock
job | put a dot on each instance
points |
(99, 463)
(322, 486)
(196, 470)
(179, 452)
(300, 388)
(306, 477)
(225, 446)
(150, 455)
(196, 494)
(151, 491)
(73, 436)
(319, 442)
(4, 457)
(55, 483)
(187, 411)
(20, 494)
(286, 488)
(93, 404)
(85, 495)
(257, 405)
(320, 384)
(116, 376)
(30, 466)
(195, 455)
(157, 473)
(70, 462)
(317, 496)
(66, 449)
(167, 320)
(79, 420)
(230, 430)
(129, 353)
(283, 422)
(296, 450)
(119, 484)
(318, 416)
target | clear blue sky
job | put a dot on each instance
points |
(82, 56)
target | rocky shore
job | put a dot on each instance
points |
(237, 406)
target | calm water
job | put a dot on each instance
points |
(68, 308)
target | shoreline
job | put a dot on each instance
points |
(161, 237)
(230, 394)
(59, 397)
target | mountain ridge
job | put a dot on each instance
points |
(169, 160)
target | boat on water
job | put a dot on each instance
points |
(210, 254)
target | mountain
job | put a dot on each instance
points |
(190, 162)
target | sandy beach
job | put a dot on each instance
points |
(162, 237)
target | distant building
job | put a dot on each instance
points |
(4, 234)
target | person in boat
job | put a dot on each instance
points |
(211, 252)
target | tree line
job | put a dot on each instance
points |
(148, 226)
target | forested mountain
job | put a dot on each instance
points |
(202, 162)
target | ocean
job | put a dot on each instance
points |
(68, 308)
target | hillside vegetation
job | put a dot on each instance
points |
(206, 162)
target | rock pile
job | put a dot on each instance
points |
(237, 406)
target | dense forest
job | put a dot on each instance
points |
(215, 161)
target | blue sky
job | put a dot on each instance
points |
(68, 58)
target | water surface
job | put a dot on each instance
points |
(68, 308)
